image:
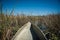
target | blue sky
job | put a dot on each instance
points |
(34, 7)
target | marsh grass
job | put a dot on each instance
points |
(12, 23)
